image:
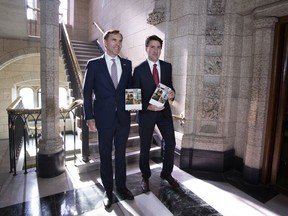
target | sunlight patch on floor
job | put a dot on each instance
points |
(227, 200)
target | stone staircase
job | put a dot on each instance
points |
(85, 51)
(132, 149)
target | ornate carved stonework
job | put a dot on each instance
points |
(214, 36)
(210, 102)
(213, 65)
(215, 7)
(268, 22)
(156, 17)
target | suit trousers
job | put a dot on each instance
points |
(146, 132)
(117, 135)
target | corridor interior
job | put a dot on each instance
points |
(74, 193)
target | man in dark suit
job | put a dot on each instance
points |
(151, 115)
(104, 108)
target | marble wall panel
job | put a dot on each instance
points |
(247, 46)
(240, 139)
(233, 24)
(253, 156)
(180, 9)
(180, 65)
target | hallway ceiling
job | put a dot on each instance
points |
(13, 20)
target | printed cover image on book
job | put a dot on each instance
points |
(160, 95)
(133, 100)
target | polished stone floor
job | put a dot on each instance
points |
(74, 193)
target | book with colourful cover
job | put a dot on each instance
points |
(160, 95)
(133, 99)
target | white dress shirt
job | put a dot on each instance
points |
(109, 63)
(151, 65)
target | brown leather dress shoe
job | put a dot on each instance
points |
(108, 199)
(173, 182)
(124, 194)
(145, 185)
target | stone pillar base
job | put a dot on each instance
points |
(204, 160)
(50, 165)
(251, 175)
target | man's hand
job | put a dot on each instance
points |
(91, 125)
(155, 108)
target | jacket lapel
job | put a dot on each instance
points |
(161, 71)
(124, 68)
(148, 70)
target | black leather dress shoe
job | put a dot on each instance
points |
(173, 182)
(145, 185)
(124, 194)
(108, 199)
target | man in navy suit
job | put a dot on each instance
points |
(151, 115)
(104, 108)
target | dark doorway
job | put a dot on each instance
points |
(282, 174)
(275, 163)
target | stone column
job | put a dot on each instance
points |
(50, 157)
(263, 38)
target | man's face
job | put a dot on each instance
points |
(113, 44)
(153, 50)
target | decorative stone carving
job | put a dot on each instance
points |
(214, 36)
(215, 7)
(213, 65)
(208, 129)
(210, 102)
(267, 22)
(156, 17)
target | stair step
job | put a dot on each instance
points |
(89, 45)
(133, 141)
(86, 48)
(82, 61)
(83, 42)
(132, 156)
(87, 54)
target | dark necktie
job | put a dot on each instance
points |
(114, 74)
(155, 74)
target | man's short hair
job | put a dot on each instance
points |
(111, 31)
(153, 37)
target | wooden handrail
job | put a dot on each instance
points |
(71, 106)
(79, 76)
(24, 122)
(14, 107)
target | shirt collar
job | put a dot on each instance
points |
(109, 57)
(151, 63)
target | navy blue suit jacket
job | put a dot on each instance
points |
(107, 99)
(143, 79)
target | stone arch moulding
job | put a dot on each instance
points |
(16, 55)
